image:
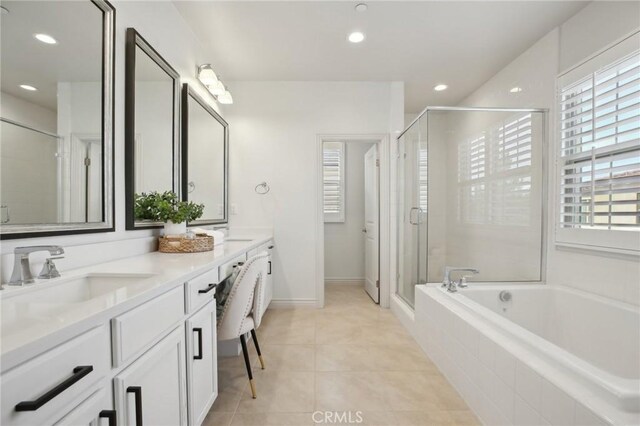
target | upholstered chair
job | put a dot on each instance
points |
(242, 312)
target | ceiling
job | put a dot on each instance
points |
(77, 57)
(460, 43)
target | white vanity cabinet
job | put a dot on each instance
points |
(153, 362)
(152, 390)
(202, 362)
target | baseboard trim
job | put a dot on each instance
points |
(292, 303)
(344, 281)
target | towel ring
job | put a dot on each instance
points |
(262, 188)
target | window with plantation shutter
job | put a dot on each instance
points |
(599, 152)
(333, 163)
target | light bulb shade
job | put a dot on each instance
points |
(225, 98)
(217, 88)
(206, 75)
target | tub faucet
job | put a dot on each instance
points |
(451, 285)
(21, 268)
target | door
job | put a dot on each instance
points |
(152, 390)
(371, 224)
(202, 362)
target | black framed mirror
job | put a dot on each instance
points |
(56, 125)
(152, 151)
(205, 158)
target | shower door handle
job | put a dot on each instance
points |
(419, 210)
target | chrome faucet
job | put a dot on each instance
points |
(21, 268)
(451, 285)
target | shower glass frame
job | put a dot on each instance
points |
(422, 258)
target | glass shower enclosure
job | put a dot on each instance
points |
(470, 193)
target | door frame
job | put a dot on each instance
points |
(384, 240)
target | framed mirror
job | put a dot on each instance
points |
(152, 151)
(205, 158)
(56, 124)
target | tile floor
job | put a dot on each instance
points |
(350, 358)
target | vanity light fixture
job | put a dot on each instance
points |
(440, 87)
(27, 87)
(356, 37)
(225, 98)
(207, 75)
(45, 38)
(215, 86)
(516, 89)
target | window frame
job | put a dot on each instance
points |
(340, 216)
(606, 240)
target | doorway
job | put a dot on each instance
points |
(350, 214)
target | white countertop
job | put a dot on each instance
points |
(158, 273)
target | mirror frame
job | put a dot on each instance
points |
(108, 156)
(187, 91)
(135, 40)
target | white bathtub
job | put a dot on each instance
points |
(551, 355)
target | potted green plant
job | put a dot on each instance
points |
(166, 207)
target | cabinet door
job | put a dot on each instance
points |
(202, 361)
(153, 388)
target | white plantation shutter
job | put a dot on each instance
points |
(333, 163)
(423, 179)
(599, 153)
(494, 172)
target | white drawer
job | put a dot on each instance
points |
(134, 331)
(90, 410)
(227, 268)
(201, 289)
(47, 384)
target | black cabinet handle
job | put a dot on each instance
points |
(110, 415)
(269, 273)
(78, 373)
(137, 392)
(208, 289)
(270, 247)
(199, 331)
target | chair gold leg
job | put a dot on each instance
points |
(261, 361)
(253, 389)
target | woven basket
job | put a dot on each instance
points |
(185, 245)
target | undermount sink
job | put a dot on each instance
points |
(53, 300)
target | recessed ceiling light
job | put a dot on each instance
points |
(27, 87)
(440, 87)
(45, 38)
(4, 10)
(356, 37)
(516, 89)
(361, 7)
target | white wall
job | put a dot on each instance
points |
(164, 28)
(273, 138)
(607, 274)
(344, 242)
